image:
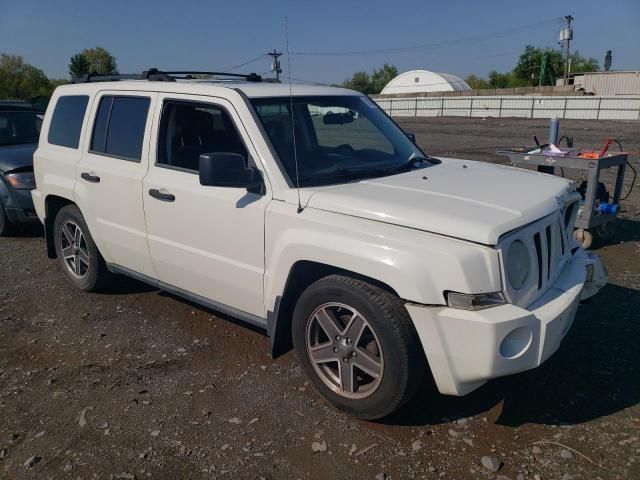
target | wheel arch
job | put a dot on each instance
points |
(302, 274)
(53, 204)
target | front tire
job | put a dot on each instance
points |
(358, 346)
(77, 253)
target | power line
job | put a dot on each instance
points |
(449, 43)
(311, 82)
(466, 61)
(244, 63)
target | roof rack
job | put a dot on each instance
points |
(155, 75)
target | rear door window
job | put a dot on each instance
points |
(119, 126)
(66, 122)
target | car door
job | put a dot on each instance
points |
(109, 177)
(206, 241)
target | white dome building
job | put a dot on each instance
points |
(421, 81)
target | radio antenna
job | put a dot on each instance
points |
(293, 127)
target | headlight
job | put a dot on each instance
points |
(479, 301)
(518, 264)
(22, 180)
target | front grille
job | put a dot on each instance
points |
(550, 251)
(548, 241)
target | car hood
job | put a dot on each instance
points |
(466, 199)
(16, 156)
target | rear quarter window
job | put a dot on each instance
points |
(119, 127)
(66, 122)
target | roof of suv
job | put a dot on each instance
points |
(200, 87)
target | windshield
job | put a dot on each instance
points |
(337, 138)
(19, 127)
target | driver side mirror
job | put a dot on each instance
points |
(228, 170)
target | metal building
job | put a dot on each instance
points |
(419, 81)
(608, 83)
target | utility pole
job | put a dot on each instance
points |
(566, 35)
(275, 65)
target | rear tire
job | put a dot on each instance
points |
(358, 346)
(77, 253)
(6, 227)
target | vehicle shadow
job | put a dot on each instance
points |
(596, 372)
(211, 311)
(28, 231)
(123, 285)
(626, 231)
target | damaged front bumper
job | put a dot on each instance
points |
(466, 348)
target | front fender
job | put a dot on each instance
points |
(418, 266)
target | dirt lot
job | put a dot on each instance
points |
(135, 383)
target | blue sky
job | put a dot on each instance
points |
(219, 35)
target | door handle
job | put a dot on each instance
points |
(165, 197)
(90, 178)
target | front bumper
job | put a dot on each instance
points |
(467, 348)
(19, 206)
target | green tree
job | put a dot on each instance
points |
(360, 82)
(93, 60)
(79, 66)
(374, 83)
(499, 80)
(476, 83)
(581, 64)
(19, 80)
(380, 78)
(527, 70)
(56, 82)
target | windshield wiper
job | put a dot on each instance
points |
(361, 173)
(409, 164)
(346, 174)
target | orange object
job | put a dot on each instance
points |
(589, 155)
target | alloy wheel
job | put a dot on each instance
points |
(75, 251)
(344, 350)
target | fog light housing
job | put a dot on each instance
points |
(480, 301)
(516, 343)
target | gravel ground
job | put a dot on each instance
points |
(135, 383)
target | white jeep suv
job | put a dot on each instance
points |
(309, 213)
